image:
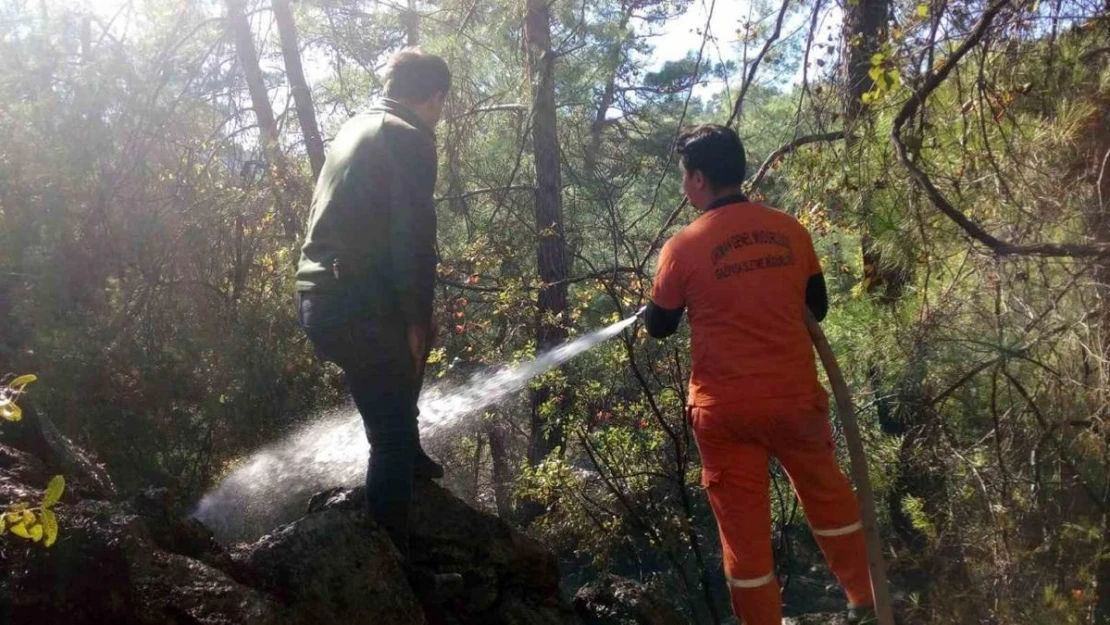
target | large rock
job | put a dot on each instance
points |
(332, 567)
(105, 568)
(185, 536)
(186, 591)
(37, 436)
(138, 562)
(614, 600)
(509, 579)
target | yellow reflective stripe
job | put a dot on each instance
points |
(840, 531)
(751, 583)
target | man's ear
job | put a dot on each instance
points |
(699, 180)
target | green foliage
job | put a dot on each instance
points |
(9, 410)
(22, 521)
(885, 77)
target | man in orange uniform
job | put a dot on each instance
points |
(746, 272)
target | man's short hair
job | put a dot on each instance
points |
(416, 76)
(716, 151)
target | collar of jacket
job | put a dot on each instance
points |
(735, 198)
(393, 107)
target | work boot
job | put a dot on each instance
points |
(433, 588)
(862, 615)
(425, 468)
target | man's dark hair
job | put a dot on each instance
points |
(716, 151)
(415, 76)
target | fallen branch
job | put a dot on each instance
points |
(911, 107)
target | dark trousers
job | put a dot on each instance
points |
(378, 364)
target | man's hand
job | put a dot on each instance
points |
(418, 341)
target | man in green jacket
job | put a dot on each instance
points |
(367, 271)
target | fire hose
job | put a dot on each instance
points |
(884, 608)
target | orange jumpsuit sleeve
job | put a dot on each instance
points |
(809, 259)
(669, 289)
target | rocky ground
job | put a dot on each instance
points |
(134, 562)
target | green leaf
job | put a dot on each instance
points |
(875, 73)
(36, 533)
(50, 526)
(895, 77)
(10, 411)
(877, 58)
(923, 10)
(54, 491)
(20, 530)
(23, 380)
(3, 523)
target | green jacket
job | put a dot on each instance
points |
(372, 232)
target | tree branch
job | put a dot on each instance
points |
(596, 275)
(750, 78)
(468, 194)
(1089, 56)
(519, 108)
(468, 287)
(788, 148)
(973, 229)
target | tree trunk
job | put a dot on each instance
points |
(502, 477)
(1098, 225)
(302, 95)
(410, 19)
(613, 61)
(864, 33)
(863, 36)
(476, 471)
(546, 434)
(267, 123)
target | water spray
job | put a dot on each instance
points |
(273, 485)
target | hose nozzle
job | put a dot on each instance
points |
(640, 313)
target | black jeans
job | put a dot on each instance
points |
(378, 364)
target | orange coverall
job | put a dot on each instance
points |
(740, 270)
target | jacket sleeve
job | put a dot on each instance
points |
(412, 225)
